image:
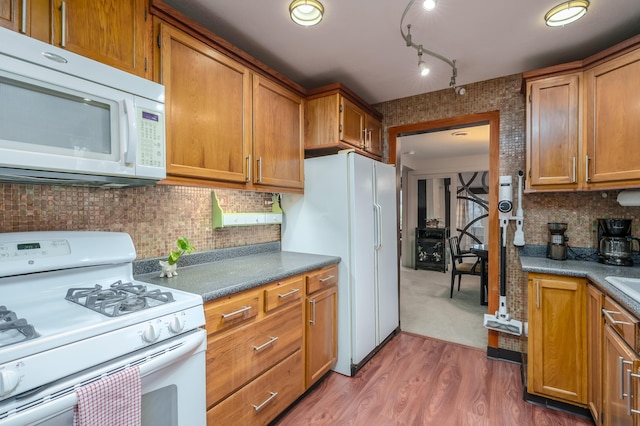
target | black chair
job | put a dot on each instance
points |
(462, 263)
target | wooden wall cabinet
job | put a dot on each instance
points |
(553, 132)
(113, 32)
(227, 126)
(321, 323)
(595, 328)
(612, 121)
(557, 361)
(582, 122)
(255, 353)
(337, 119)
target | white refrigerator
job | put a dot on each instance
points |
(349, 210)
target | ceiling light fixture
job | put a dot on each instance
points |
(421, 64)
(306, 12)
(566, 13)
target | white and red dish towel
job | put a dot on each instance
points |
(115, 400)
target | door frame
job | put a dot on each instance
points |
(493, 119)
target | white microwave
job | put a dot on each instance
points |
(66, 119)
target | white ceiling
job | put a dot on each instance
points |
(358, 43)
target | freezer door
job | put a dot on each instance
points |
(386, 253)
(362, 241)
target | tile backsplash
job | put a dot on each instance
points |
(154, 216)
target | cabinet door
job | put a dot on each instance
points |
(30, 17)
(208, 98)
(553, 130)
(617, 359)
(612, 129)
(557, 366)
(114, 32)
(321, 333)
(373, 135)
(351, 123)
(595, 325)
(277, 135)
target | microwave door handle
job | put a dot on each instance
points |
(42, 411)
(131, 137)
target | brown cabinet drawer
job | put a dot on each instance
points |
(322, 278)
(263, 399)
(625, 324)
(235, 358)
(283, 293)
(232, 311)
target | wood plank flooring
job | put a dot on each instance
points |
(416, 380)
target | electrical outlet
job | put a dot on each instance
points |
(526, 329)
(222, 200)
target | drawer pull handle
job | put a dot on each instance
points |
(289, 293)
(264, 345)
(238, 312)
(608, 315)
(265, 402)
(330, 277)
(629, 393)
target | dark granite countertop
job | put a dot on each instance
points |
(227, 276)
(594, 271)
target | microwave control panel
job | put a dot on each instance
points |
(150, 138)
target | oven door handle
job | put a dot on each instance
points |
(148, 364)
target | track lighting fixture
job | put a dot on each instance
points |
(424, 70)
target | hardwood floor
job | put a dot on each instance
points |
(416, 380)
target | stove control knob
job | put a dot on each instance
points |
(150, 333)
(9, 380)
(176, 325)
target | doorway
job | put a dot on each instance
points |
(395, 135)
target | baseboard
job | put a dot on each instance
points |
(504, 355)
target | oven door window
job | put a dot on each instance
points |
(160, 407)
(41, 117)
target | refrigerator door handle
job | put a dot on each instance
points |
(378, 219)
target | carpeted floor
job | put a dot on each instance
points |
(426, 309)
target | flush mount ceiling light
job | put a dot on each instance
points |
(429, 4)
(566, 13)
(306, 12)
(424, 70)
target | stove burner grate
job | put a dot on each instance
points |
(14, 330)
(119, 299)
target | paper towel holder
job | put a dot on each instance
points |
(629, 197)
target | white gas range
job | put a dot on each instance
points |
(71, 313)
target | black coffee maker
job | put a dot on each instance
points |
(615, 243)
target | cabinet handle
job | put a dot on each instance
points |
(289, 293)
(538, 294)
(248, 168)
(265, 402)
(259, 169)
(330, 277)
(574, 170)
(621, 363)
(23, 24)
(264, 345)
(312, 321)
(586, 169)
(610, 319)
(238, 312)
(629, 393)
(63, 30)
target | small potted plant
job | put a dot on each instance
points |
(170, 265)
(432, 222)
